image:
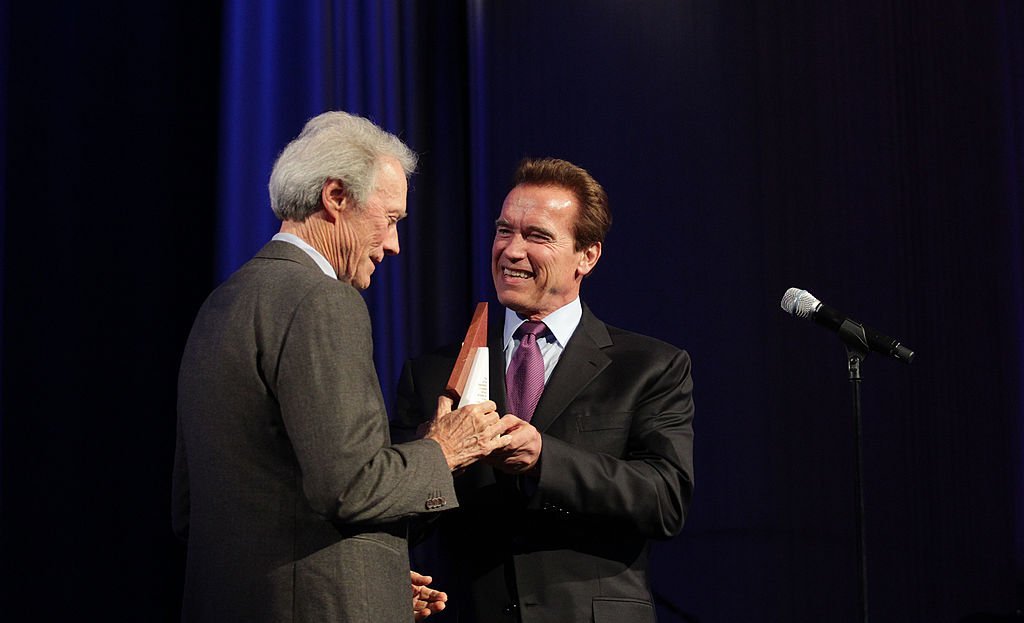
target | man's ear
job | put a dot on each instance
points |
(334, 198)
(588, 259)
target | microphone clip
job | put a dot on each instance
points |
(852, 334)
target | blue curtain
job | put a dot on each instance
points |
(484, 206)
(279, 70)
(399, 63)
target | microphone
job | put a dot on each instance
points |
(802, 304)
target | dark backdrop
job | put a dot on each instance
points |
(872, 152)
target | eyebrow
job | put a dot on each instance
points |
(543, 231)
(529, 230)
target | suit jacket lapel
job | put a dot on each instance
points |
(581, 361)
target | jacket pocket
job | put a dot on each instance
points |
(603, 421)
(619, 610)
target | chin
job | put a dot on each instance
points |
(505, 297)
(515, 303)
(359, 282)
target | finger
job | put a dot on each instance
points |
(418, 589)
(427, 594)
(444, 405)
(492, 437)
(418, 579)
(503, 426)
(512, 422)
(512, 443)
(486, 406)
(482, 420)
(497, 443)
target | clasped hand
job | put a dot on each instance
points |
(468, 434)
(521, 452)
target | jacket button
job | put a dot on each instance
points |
(510, 609)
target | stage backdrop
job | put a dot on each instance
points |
(871, 152)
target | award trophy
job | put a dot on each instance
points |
(470, 379)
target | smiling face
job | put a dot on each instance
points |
(534, 261)
(370, 232)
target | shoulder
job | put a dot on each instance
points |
(632, 340)
(638, 352)
(332, 309)
(331, 293)
(285, 286)
(648, 362)
(618, 342)
(283, 269)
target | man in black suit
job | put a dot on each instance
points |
(600, 465)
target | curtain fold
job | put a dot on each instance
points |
(401, 64)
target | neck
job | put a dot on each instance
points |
(318, 233)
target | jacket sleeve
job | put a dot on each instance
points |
(333, 412)
(649, 487)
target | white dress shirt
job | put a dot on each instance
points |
(561, 324)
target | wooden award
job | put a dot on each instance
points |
(469, 382)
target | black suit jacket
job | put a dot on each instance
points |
(616, 470)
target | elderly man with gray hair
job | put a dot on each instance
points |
(291, 498)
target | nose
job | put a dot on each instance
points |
(514, 247)
(391, 246)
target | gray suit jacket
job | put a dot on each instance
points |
(616, 471)
(286, 486)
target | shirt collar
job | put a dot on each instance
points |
(320, 260)
(562, 322)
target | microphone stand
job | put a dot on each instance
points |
(857, 349)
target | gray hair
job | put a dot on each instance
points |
(332, 145)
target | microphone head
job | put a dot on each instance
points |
(800, 303)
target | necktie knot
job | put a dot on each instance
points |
(533, 328)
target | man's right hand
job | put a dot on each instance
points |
(467, 434)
